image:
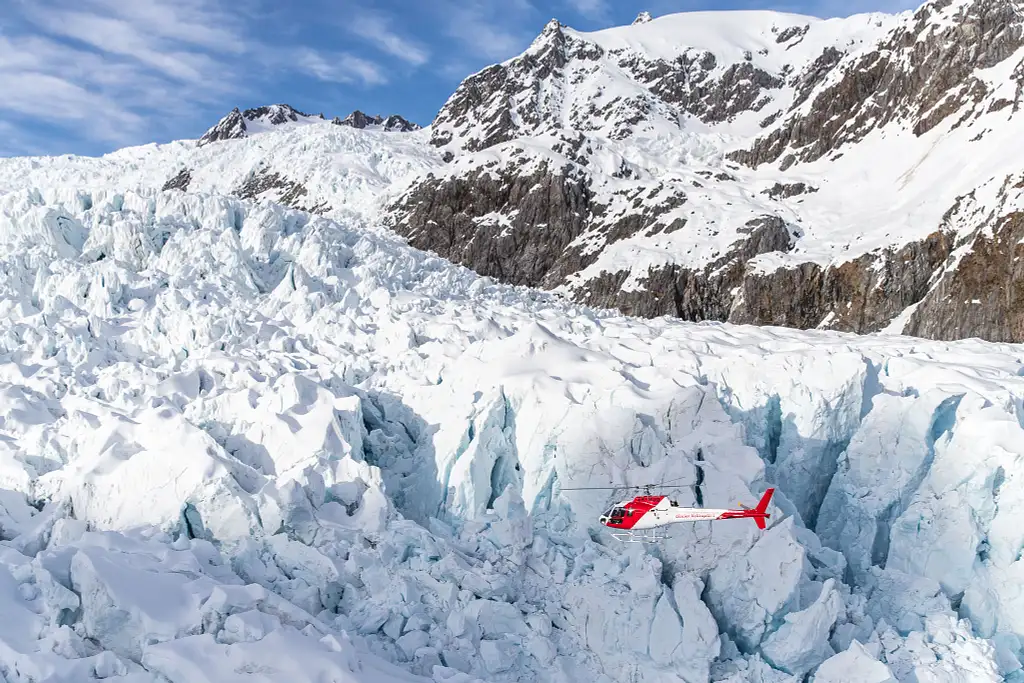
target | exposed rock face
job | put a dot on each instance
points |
(984, 295)
(450, 217)
(234, 125)
(787, 190)
(862, 295)
(238, 124)
(276, 114)
(980, 294)
(272, 185)
(393, 123)
(698, 295)
(921, 75)
(230, 127)
(180, 181)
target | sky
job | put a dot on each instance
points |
(92, 76)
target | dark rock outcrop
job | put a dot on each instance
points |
(787, 190)
(285, 191)
(234, 125)
(697, 295)
(179, 181)
(231, 127)
(393, 123)
(980, 293)
(450, 217)
(862, 295)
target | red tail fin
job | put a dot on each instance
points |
(761, 511)
(762, 505)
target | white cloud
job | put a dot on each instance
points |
(493, 30)
(340, 68)
(592, 9)
(119, 37)
(123, 72)
(193, 22)
(374, 29)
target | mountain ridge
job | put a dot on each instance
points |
(775, 111)
(238, 124)
(715, 166)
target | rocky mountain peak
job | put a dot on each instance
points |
(240, 124)
(554, 26)
(276, 114)
(605, 82)
(393, 123)
(230, 127)
(643, 18)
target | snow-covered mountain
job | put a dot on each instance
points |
(752, 167)
(249, 434)
(240, 124)
(755, 167)
(395, 123)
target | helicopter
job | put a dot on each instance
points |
(640, 519)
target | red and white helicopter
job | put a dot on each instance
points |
(638, 520)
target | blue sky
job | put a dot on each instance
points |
(90, 76)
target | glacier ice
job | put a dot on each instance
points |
(238, 442)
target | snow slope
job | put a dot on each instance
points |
(264, 445)
(659, 143)
(346, 173)
(606, 110)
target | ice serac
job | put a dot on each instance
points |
(961, 529)
(884, 464)
(801, 424)
(747, 595)
(854, 665)
(802, 642)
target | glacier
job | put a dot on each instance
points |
(239, 441)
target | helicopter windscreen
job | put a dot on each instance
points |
(616, 513)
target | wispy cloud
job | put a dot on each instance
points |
(376, 30)
(591, 9)
(340, 67)
(493, 30)
(120, 72)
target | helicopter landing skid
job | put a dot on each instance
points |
(646, 536)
